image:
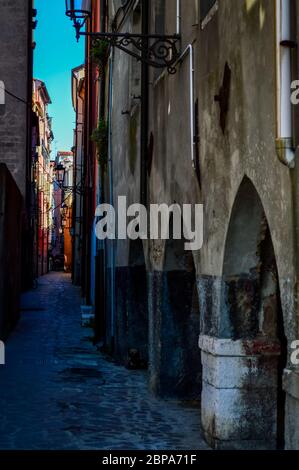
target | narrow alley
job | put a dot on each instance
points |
(59, 392)
(149, 227)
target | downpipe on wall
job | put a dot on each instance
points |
(144, 107)
(295, 176)
(110, 170)
(178, 17)
(189, 52)
(286, 121)
(284, 138)
(286, 142)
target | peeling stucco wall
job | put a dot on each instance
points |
(242, 35)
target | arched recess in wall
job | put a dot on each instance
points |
(175, 365)
(251, 313)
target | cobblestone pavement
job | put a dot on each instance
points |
(58, 392)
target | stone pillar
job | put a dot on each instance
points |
(239, 392)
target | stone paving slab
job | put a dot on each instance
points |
(58, 392)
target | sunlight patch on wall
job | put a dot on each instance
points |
(262, 16)
(250, 4)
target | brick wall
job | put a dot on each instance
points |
(14, 74)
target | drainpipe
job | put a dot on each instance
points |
(110, 169)
(178, 17)
(287, 138)
(144, 106)
(295, 175)
(189, 51)
(85, 182)
(284, 45)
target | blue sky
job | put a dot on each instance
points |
(57, 53)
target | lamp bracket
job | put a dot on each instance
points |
(156, 50)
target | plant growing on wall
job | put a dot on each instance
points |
(100, 138)
(99, 54)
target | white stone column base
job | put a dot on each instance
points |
(239, 393)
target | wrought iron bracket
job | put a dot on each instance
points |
(159, 51)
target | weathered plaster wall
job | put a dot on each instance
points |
(175, 366)
(248, 145)
(126, 134)
(172, 177)
(242, 35)
(131, 323)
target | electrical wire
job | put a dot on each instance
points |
(71, 191)
(57, 207)
(15, 96)
(52, 180)
(76, 189)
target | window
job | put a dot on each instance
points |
(205, 7)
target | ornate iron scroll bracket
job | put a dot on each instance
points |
(156, 50)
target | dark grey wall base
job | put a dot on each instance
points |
(131, 329)
(175, 367)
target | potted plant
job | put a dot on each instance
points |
(100, 138)
(99, 54)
